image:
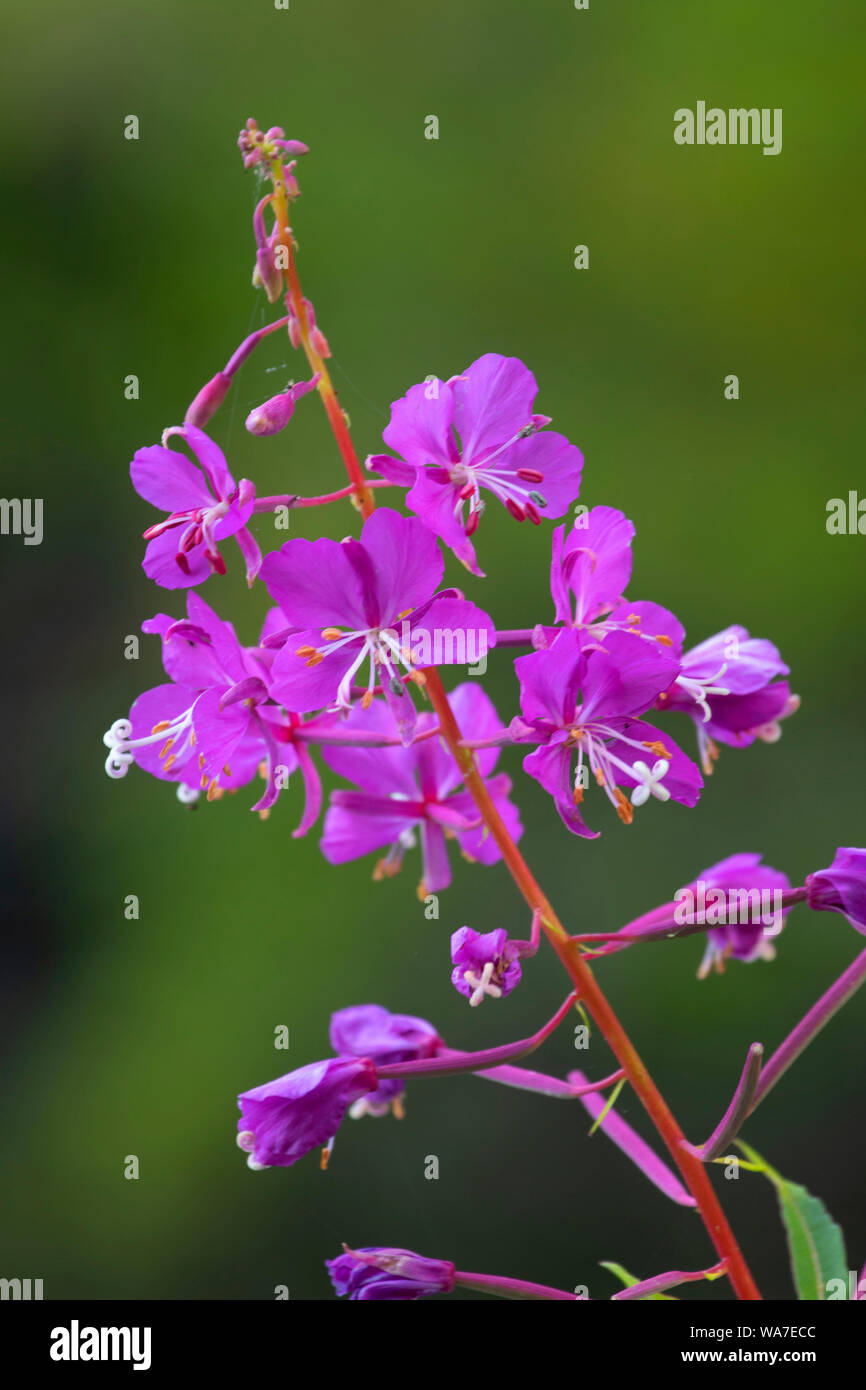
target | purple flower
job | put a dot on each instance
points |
(380, 1273)
(728, 686)
(410, 792)
(741, 897)
(590, 565)
(368, 1030)
(587, 702)
(368, 605)
(842, 887)
(212, 726)
(284, 1119)
(484, 964)
(205, 505)
(472, 432)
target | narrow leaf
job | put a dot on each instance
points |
(816, 1245)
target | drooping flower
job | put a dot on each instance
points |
(841, 887)
(728, 685)
(473, 432)
(205, 506)
(412, 792)
(742, 898)
(369, 603)
(284, 1119)
(383, 1273)
(368, 1030)
(588, 703)
(213, 725)
(485, 964)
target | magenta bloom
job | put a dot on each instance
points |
(368, 1030)
(382, 1273)
(212, 726)
(477, 431)
(368, 606)
(407, 793)
(842, 887)
(205, 506)
(284, 1119)
(590, 565)
(728, 686)
(742, 899)
(587, 703)
(484, 964)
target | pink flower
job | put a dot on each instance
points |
(205, 506)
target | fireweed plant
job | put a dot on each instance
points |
(346, 670)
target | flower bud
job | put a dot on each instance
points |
(274, 414)
(208, 400)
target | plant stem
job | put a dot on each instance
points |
(592, 996)
(693, 1171)
(811, 1024)
(295, 300)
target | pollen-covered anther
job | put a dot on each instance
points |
(599, 776)
(366, 699)
(213, 789)
(331, 634)
(421, 891)
(624, 808)
(577, 795)
(659, 749)
(418, 678)
(398, 1110)
(305, 651)
(161, 726)
(166, 747)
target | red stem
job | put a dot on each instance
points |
(693, 1171)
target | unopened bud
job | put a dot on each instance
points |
(208, 400)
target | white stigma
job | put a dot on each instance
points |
(481, 985)
(116, 739)
(650, 781)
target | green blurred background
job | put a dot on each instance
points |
(126, 257)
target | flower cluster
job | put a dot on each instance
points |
(344, 671)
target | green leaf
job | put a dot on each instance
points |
(611, 1102)
(629, 1279)
(815, 1243)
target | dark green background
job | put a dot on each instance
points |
(556, 128)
